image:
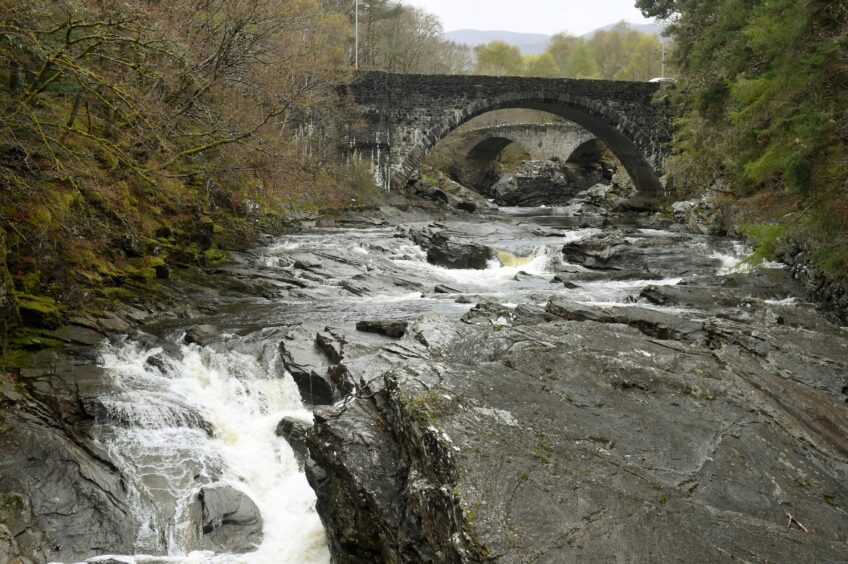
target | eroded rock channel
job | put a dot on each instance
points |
(515, 385)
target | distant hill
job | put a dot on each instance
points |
(649, 28)
(530, 43)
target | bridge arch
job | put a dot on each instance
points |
(404, 116)
(489, 148)
(590, 152)
(621, 135)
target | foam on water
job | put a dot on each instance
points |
(494, 276)
(162, 414)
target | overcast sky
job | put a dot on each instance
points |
(534, 16)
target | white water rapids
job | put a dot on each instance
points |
(242, 399)
(195, 417)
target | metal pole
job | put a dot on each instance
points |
(356, 47)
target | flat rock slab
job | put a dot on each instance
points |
(653, 323)
(668, 255)
(530, 439)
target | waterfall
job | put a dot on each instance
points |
(204, 417)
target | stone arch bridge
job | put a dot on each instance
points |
(474, 152)
(543, 141)
(404, 116)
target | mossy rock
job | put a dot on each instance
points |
(29, 339)
(116, 294)
(185, 255)
(16, 359)
(215, 256)
(27, 281)
(146, 268)
(39, 311)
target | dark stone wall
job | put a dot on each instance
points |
(404, 116)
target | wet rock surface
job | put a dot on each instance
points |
(626, 250)
(60, 495)
(538, 183)
(656, 402)
(294, 430)
(228, 519)
(445, 250)
(588, 436)
(394, 329)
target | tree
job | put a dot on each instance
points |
(411, 42)
(541, 65)
(561, 49)
(615, 54)
(763, 95)
(372, 13)
(644, 58)
(499, 58)
(582, 63)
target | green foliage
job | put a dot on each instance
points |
(581, 63)
(512, 156)
(615, 54)
(541, 65)
(763, 92)
(499, 58)
(766, 240)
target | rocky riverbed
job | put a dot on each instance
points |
(514, 385)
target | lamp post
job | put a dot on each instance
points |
(356, 34)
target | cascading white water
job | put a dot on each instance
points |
(168, 456)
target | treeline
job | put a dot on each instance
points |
(763, 97)
(619, 53)
(399, 38)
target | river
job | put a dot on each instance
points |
(183, 417)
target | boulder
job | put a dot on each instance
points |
(429, 192)
(442, 289)
(331, 343)
(393, 329)
(202, 335)
(626, 250)
(445, 250)
(437, 187)
(294, 431)
(305, 361)
(706, 215)
(538, 183)
(228, 520)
